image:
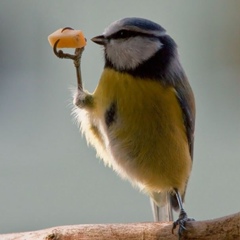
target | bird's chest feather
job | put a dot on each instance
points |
(135, 120)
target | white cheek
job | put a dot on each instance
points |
(128, 54)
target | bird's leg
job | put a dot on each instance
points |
(182, 219)
(81, 98)
(76, 59)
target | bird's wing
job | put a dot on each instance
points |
(186, 100)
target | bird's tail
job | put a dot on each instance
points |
(162, 207)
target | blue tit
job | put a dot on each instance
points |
(140, 118)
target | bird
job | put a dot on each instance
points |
(141, 116)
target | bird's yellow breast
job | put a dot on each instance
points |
(147, 141)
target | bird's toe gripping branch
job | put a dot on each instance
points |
(75, 57)
(181, 222)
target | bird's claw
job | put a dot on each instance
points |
(61, 54)
(181, 222)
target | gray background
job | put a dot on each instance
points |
(48, 175)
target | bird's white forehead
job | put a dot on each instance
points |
(125, 24)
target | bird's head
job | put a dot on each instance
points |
(131, 43)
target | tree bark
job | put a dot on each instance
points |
(222, 228)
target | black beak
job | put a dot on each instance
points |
(101, 40)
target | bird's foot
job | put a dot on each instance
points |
(59, 53)
(181, 222)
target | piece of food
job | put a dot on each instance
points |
(68, 38)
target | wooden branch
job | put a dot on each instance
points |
(222, 228)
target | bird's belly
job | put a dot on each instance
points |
(150, 157)
(146, 147)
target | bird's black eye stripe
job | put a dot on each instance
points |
(128, 34)
(123, 34)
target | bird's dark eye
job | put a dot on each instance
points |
(123, 34)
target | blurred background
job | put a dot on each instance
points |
(48, 174)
